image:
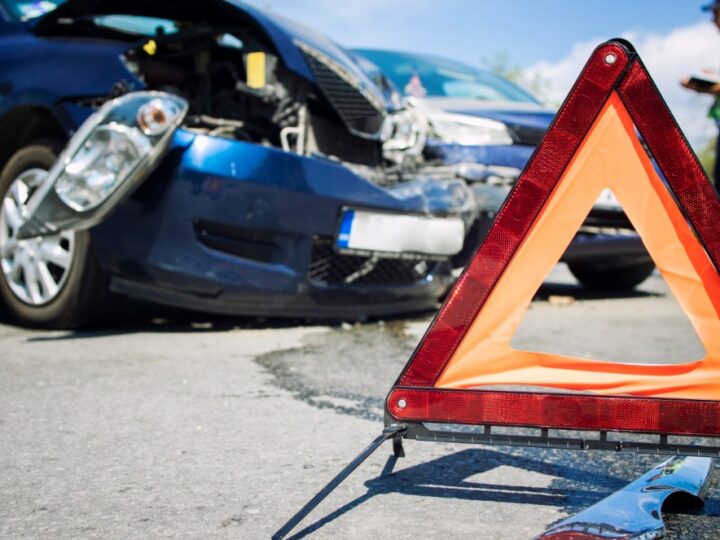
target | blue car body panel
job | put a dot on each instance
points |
(509, 155)
(94, 71)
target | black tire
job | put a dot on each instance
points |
(85, 295)
(612, 277)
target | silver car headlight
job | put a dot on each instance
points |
(116, 147)
(109, 156)
(468, 130)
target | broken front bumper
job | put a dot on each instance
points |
(237, 228)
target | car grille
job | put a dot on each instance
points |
(328, 266)
(526, 135)
(356, 109)
(250, 244)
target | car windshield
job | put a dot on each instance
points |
(429, 76)
(131, 24)
(26, 10)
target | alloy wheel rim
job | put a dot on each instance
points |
(35, 269)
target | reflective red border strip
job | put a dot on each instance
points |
(572, 123)
(556, 411)
(685, 176)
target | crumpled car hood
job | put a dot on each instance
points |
(283, 33)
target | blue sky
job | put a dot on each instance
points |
(550, 39)
(528, 30)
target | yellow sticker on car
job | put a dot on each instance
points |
(256, 70)
(150, 47)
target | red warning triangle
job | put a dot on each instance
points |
(592, 145)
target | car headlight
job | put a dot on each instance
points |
(112, 152)
(468, 130)
(404, 134)
(108, 156)
(116, 147)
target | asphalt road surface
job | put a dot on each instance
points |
(201, 427)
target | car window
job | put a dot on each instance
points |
(26, 10)
(429, 76)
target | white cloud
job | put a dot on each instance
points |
(668, 57)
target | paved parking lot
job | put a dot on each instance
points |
(200, 427)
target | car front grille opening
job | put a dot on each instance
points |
(256, 245)
(332, 268)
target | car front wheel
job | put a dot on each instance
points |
(611, 276)
(51, 281)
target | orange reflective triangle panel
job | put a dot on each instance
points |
(592, 145)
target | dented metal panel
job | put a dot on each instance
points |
(635, 512)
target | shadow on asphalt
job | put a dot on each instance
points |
(578, 292)
(150, 318)
(139, 316)
(448, 477)
(573, 489)
(157, 319)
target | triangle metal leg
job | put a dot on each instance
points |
(394, 432)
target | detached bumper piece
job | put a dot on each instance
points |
(635, 512)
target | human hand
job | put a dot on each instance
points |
(687, 83)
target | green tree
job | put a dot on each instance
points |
(502, 63)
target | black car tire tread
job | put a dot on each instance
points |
(85, 297)
(611, 278)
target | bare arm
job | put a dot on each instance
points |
(713, 90)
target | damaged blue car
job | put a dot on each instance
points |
(220, 159)
(487, 128)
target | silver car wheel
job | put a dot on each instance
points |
(35, 269)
